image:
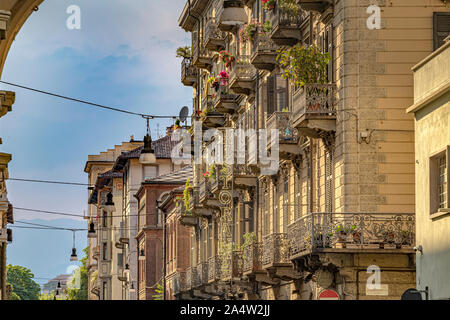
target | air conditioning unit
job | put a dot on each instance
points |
(3, 235)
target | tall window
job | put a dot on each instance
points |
(105, 290)
(105, 219)
(439, 178)
(266, 212)
(105, 251)
(286, 206)
(276, 214)
(328, 181)
(297, 196)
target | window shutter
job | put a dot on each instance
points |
(270, 95)
(330, 51)
(441, 28)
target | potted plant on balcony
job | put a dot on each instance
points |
(388, 237)
(184, 52)
(227, 58)
(249, 31)
(268, 4)
(187, 195)
(304, 64)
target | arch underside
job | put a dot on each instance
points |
(20, 11)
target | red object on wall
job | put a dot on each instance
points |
(328, 295)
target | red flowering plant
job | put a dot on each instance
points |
(249, 31)
(269, 4)
(227, 58)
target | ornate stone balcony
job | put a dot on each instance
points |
(314, 108)
(96, 252)
(244, 177)
(252, 258)
(180, 279)
(275, 250)
(224, 100)
(315, 5)
(7, 99)
(206, 197)
(288, 134)
(186, 218)
(188, 72)
(243, 76)
(200, 56)
(286, 25)
(230, 13)
(264, 52)
(212, 118)
(216, 184)
(214, 269)
(195, 206)
(351, 231)
(214, 38)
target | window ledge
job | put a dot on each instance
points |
(440, 214)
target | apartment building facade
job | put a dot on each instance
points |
(153, 230)
(341, 207)
(431, 109)
(103, 274)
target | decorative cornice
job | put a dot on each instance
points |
(7, 99)
(5, 16)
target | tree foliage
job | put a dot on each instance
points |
(159, 292)
(304, 64)
(23, 287)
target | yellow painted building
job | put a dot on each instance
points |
(431, 110)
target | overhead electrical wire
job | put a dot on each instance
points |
(87, 102)
(52, 182)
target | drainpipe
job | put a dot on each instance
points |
(198, 46)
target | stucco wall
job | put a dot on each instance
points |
(432, 136)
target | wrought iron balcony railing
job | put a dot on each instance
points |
(188, 72)
(244, 176)
(264, 51)
(352, 231)
(242, 76)
(232, 264)
(252, 258)
(196, 277)
(212, 118)
(224, 100)
(202, 270)
(214, 268)
(200, 55)
(214, 38)
(188, 275)
(275, 250)
(314, 101)
(287, 133)
(185, 217)
(286, 24)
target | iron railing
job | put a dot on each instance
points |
(317, 99)
(284, 17)
(242, 69)
(188, 275)
(188, 70)
(352, 231)
(214, 268)
(262, 44)
(202, 270)
(283, 122)
(275, 249)
(252, 255)
(212, 32)
(196, 279)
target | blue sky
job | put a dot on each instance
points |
(123, 56)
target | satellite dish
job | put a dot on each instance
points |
(184, 112)
(411, 294)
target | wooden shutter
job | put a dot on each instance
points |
(329, 49)
(270, 95)
(441, 28)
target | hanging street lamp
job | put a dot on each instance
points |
(147, 154)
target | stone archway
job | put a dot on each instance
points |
(13, 14)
